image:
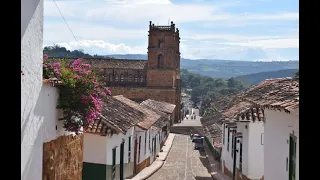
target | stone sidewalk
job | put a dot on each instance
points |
(157, 164)
(216, 172)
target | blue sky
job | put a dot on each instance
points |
(251, 30)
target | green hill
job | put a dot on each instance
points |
(250, 79)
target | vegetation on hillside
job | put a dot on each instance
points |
(206, 89)
(62, 52)
(222, 68)
(250, 79)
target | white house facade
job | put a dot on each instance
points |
(39, 116)
(48, 129)
(281, 145)
(109, 142)
(242, 149)
(32, 122)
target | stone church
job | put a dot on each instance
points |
(157, 78)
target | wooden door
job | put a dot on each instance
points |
(135, 156)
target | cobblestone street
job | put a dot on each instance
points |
(183, 162)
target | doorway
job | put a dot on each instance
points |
(135, 156)
(292, 157)
(121, 160)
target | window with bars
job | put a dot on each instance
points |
(113, 171)
(136, 79)
(110, 77)
(121, 77)
(129, 149)
(130, 79)
(116, 77)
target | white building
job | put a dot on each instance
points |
(281, 136)
(282, 132)
(39, 117)
(109, 143)
(248, 155)
(147, 134)
(44, 127)
(164, 109)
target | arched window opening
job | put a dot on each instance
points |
(136, 79)
(159, 43)
(142, 78)
(121, 77)
(160, 61)
(130, 78)
(110, 77)
(116, 77)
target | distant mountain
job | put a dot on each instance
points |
(222, 68)
(255, 78)
(212, 68)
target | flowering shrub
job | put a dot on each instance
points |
(81, 92)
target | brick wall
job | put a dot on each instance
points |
(167, 95)
(161, 77)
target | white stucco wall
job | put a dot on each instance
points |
(44, 126)
(32, 120)
(143, 155)
(278, 127)
(255, 150)
(226, 155)
(115, 141)
(95, 149)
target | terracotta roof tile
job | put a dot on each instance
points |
(279, 93)
(151, 117)
(111, 63)
(116, 116)
(159, 105)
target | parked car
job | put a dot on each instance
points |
(198, 143)
(195, 136)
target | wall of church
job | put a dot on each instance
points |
(163, 78)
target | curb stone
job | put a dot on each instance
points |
(160, 161)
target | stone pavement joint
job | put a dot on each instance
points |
(216, 172)
(157, 164)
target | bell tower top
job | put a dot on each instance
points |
(163, 47)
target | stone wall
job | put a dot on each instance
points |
(143, 165)
(143, 93)
(62, 158)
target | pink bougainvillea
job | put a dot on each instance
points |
(81, 92)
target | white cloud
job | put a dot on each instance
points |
(268, 43)
(91, 22)
(103, 48)
(141, 11)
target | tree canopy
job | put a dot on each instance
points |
(62, 52)
(206, 89)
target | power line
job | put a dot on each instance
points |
(67, 23)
